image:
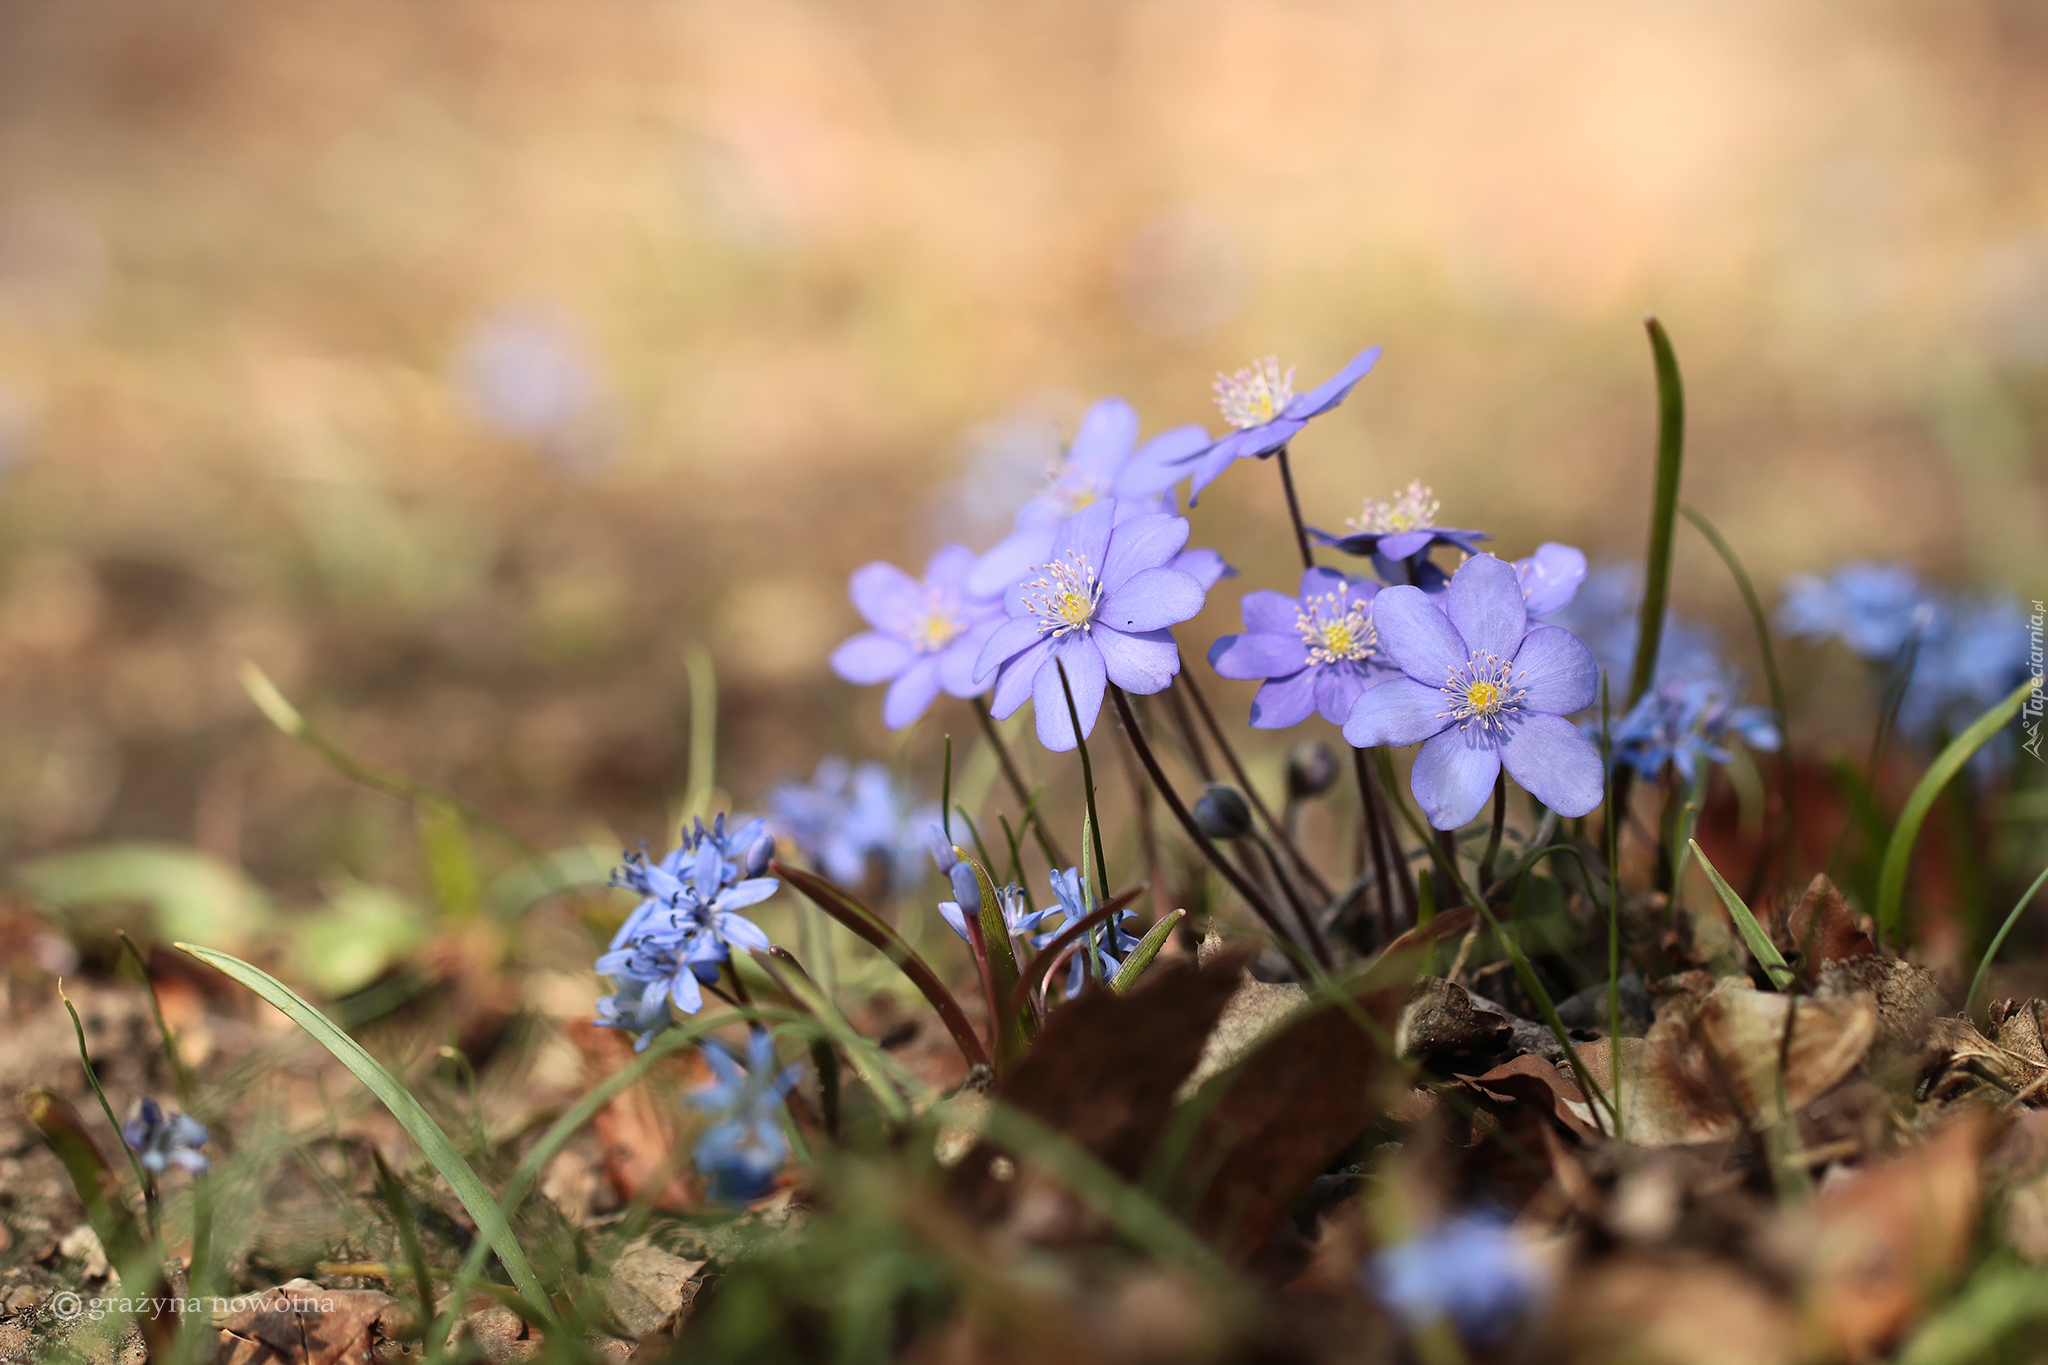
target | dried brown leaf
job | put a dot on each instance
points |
(1531, 1080)
(1820, 927)
(303, 1324)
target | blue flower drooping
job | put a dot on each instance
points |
(740, 1155)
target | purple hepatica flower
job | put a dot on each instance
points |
(846, 815)
(687, 923)
(1482, 689)
(1266, 413)
(161, 1138)
(1399, 527)
(1100, 606)
(1105, 462)
(1317, 652)
(926, 634)
(1472, 1271)
(1874, 608)
(741, 1153)
(1684, 723)
(1606, 613)
(1550, 578)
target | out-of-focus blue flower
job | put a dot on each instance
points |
(846, 815)
(1316, 651)
(1976, 653)
(1606, 613)
(525, 375)
(1265, 413)
(1104, 463)
(1017, 916)
(686, 924)
(1687, 723)
(1875, 609)
(926, 633)
(741, 1154)
(1472, 1271)
(1481, 690)
(1102, 949)
(1101, 606)
(1398, 527)
(162, 1138)
(1551, 577)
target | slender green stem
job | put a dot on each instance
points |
(1998, 941)
(1087, 782)
(92, 1076)
(1448, 866)
(1025, 800)
(1663, 508)
(1238, 883)
(946, 792)
(1294, 508)
(1786, 779)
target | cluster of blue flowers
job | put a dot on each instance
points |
(1958, 654)
(846, 818)
(687, 923)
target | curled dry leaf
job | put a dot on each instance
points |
(1887, 1241)
(2017, 1026)
(1821, 928)
(1954, 1061)
(1907, 998)
(1705, 1071)
(301, 1323)
(1439, 1021)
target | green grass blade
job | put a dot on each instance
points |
(1663, 508)
(476, 1198)
(1984, 967)
(1898, 852)
(1760, 945)
(1761, 624)
(1999, 1299)
(1147, 949)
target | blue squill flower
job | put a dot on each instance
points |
(742, 1152)
(925, 633)
(1316, 651)
(1018, 917)
(1976, 653)
(1482, 689)
(1265, 413)
(1395, 529)
(1875, 609)
(1606, 613)
(1471, 1271)
(1101, 606)
(1105, 462)
(846, 815)
(163, 1138)
(687, 922)
(1103, 948)
(1686, 724)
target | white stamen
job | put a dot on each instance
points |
(1413, 508)
(1254, 395)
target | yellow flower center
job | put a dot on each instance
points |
(1413, 508)
(1485, 688)
(1064, 595)
(1336, 628)
(1483, 696)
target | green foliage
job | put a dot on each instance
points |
(190, 894)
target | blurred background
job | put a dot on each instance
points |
(464, 365)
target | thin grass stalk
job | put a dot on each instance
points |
(1025, 801)
(1998, 941)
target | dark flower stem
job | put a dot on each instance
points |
(1087, 784)
(1369, 837)
(1148, 838)
(1294, 508)
(1450, 887)
(1238, 883)
(1500, 819)
(1294, 855)
(1311, 933)
(1190, 738)
(1025, 802)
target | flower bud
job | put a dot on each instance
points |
(1221, 813)
(966, 888)
(942, 849)
(759, 855)
(1311, 769)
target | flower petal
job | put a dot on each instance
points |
(1084, 673)
(742, 894)
(1485, 603)
(1086, 534)
(1270, 612)
(1338, 687)
(1454, 774)
(1551, 577)
(1008, 640)
(743, 933)
(1108, 431)
(957, 661)
(687, 994)
(1320, 582)
(1396, 712)
(1011, 559)
(1399, 545)
(1285, 701)
(871, 657)
(1554, 762)
(949, 911)
(912, 694)
(1206, 567)
(1142, 662)
(949, 566)
(1017, 678)
(1418, 637)
(887, 597)
(1141, 543)
(1258, 654)
(1157, 464)
(1556, 671)
(1333, 390)
(1151, 599)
